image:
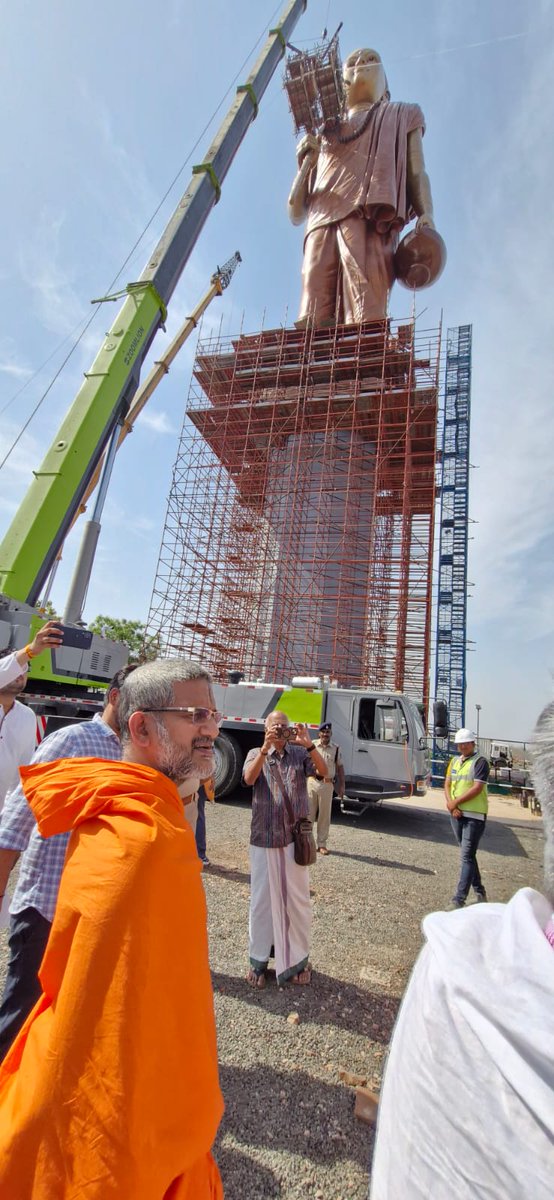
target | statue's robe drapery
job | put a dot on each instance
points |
(357, 204)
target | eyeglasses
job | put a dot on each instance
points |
(199, 716)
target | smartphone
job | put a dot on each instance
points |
(73, 636)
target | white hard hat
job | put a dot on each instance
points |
(464, 735)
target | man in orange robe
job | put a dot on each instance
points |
(111, 1087)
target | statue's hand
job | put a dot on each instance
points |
(425, 221)
(308, 148)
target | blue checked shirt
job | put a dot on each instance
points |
(43, 858)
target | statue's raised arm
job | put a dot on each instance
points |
(358, 185)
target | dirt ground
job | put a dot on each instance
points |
(289, 1129)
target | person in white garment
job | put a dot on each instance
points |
(17, 722)
(467, 1106)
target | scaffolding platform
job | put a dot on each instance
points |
(299, 531)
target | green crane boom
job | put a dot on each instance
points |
(32, 542)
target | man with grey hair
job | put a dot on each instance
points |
(280, 910)
(111, 1087)
(471, 1064)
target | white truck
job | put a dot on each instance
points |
(501, 755)
(381, 734)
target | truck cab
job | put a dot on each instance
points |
(383, 744)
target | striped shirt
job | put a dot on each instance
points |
(271, 827)
(43, 858)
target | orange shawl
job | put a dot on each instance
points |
(111, 1088)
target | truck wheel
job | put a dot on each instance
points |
(228, 764)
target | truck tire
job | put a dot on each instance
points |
(228, 764)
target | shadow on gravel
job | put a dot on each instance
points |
(243, 1176)
(399, 820)
(327, 1001)
(383, 862)
(279, 1110)
(422, 825)
(230, 873)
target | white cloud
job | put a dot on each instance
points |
(510, 299)
(158, 422)
(23, 459)
(15, 370)
(12, 363)
(50, 282)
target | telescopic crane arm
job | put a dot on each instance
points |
(219, 282)
(32, 542)
(83, 568)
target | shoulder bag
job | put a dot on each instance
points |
(305, 852)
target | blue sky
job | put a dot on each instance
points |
(100, 107)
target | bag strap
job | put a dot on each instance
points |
(288, 805)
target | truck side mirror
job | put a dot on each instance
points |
(440, 718)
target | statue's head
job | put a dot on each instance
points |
(364, 77)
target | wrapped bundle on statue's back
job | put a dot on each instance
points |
(313, 83)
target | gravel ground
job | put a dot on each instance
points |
(289, 1129)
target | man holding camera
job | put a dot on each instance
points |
(280, 910)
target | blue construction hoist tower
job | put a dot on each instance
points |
(450, 669)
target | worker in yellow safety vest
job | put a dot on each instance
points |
(466, 794)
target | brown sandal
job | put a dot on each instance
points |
(303, 978)
(256, 979)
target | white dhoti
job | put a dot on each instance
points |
(280, 911)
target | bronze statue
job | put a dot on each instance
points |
(359, 184)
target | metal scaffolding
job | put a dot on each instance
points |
(450, 667)
(299, 530)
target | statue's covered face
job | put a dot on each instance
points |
(364, 77)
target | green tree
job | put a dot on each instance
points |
(47, 610)
(132, 633)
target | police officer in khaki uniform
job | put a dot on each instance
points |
(320, 787)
